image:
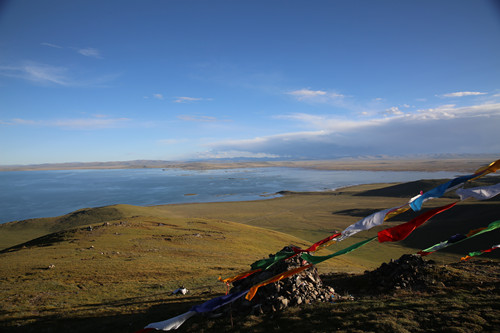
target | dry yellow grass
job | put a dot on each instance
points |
(141, 258)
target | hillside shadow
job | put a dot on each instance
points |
(116, 323)
(43, 241)
(459, 220)
(357, 212)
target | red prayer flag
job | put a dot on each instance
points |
(402, 231)
(317, 245)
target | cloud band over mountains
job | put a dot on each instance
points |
(443, 129)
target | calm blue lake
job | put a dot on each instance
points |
(32, 194)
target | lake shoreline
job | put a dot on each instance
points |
(388, 164)
(45, 193)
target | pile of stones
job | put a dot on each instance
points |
(303, 288)
(410, 271)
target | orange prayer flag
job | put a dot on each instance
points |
(475, 231)
(492, 167)
(395, 212)
(275, 278)
(239, 276)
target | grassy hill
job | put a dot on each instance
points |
(114, 268)
(124, 266)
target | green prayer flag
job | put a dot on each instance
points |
(266, 263)
(490, 227)
(317, 259)
(476, 253)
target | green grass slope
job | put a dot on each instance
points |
(121, 267)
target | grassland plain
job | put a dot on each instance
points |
(113, 269)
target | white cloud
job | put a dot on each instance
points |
(315, 96)
(171, 141)
(52, 45)
(90, 123)
(86, 51)
(39, 73)
(51, 74)
(331, 123)
(235, 154)
(464, 93)
(447, 128)
(44, 74)
(451, 111)
(197, 118)
(19, 121)
(90, 52)
(307, 93)
(341, 124)
(187, 99)
(158, 96)
(393, 111)
(96, 122)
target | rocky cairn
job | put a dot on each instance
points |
(303, 288)
(410, 271)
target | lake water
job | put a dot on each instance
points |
(32, 194)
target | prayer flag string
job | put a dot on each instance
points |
(317, 259)
(276, 278)
(478, 253)
(402, 231)
(459, 238)
(478, 193)
(438, 191)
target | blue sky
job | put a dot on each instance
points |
(176, 80)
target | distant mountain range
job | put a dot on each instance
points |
(244, 162)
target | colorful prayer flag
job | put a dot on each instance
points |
(473, 233)
(477, 253)
(211, 305)
(317, 245)
(438, 191)
(402, 231)
(366, 223)
(479, 193)
(239, 276)
(172, 323)
(275, 278)
(317, 259)
(217, 302)
(266, 263)
(492, 167)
